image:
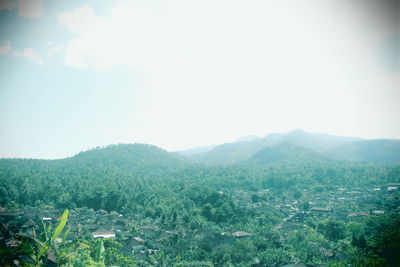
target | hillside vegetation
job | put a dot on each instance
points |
(284, 199)
(334, 147)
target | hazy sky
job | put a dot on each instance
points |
(180, 73)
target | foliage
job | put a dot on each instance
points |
(200, 206)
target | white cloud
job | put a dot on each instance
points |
(28, 53)
(212, 65)
(54, 48)
(26, 8)
(101, 44)
(213, 37)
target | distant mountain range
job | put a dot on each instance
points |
(313, 145)
(292, 147)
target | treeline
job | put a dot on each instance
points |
(71, 183)
(165, 190)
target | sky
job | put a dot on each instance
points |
(179, 74)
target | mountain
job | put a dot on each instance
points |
(377, 151)
(129, 156)
(112, 163)
(204, 149)
(286, 152)
(196, 150)
(248, 138)
(240, 151)
(316, 141)
(230, 152)
(291, 146)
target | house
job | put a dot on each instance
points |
(31, 212)
(152, 251)
(355, 214)
(321, 209)
(148, 230)
(123, 235)
(104, 234)
(136, 244)
(102, 212)
(52, 213)
(298, 217)
(29, 224)
(327, 253)
(11, 213)
(13, 243)
(147, 227)
(138, 240)
(113, 214)
(241, 234)
(91, 226)
(378, 212)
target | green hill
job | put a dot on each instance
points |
(378, 151)
(129, 156)
(286, 152)
(236, 152)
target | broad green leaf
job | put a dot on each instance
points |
(26, 248)
(48, 232)
(61, 225)
(45, 230)
(100, 252)
(37, 241)
(42, 251)
(66, 235)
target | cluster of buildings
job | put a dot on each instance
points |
(345, 204)
(143, 239)
(82, 223)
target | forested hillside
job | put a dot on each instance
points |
(282, 204)
(287, 152)
(380, 151)
(334, 147)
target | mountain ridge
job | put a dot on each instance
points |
(329, 146)
(245, 150)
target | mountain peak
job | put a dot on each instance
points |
(132, 155)
(248, 138)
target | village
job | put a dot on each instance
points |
(345, 204)
(144, 236)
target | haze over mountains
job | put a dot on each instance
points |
(296, 146)
(324, 145)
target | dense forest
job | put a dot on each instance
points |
(293, 198)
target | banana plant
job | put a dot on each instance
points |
(50, 243)
(99, 256)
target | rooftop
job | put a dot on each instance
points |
(240, 234)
